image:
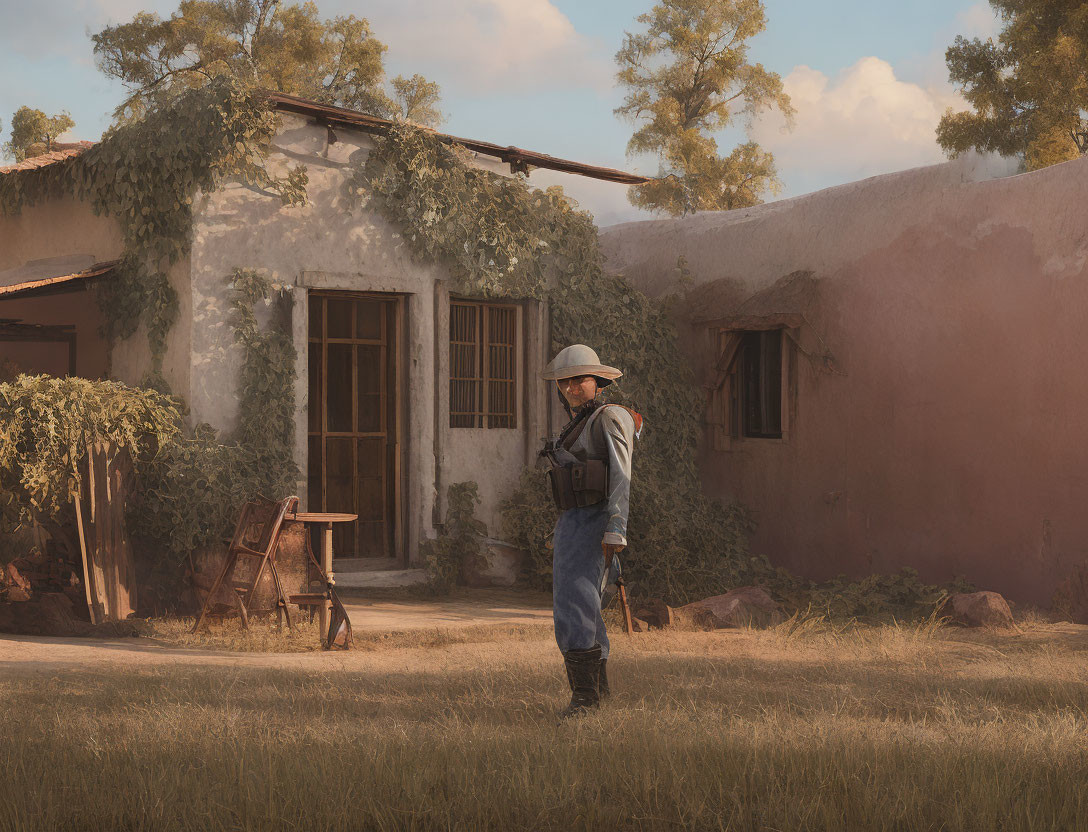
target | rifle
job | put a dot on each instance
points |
(620, 585)
(621, 591)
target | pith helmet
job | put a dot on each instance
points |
(579, 360)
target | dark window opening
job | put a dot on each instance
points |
(483, 365)
(757, 393)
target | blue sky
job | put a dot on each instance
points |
(867, 78)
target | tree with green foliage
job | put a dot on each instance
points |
(265, 43)
(34, 133)
(417, 100)
(1028, 91)
(688, 75)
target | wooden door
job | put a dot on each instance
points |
(354, 417)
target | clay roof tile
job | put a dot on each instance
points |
(65, 150)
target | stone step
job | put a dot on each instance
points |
(341, 565)
(380, 578)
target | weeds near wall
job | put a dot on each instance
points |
(461, 539)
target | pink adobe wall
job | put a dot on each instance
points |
(954, 442)
(77, 308)
(29, 241)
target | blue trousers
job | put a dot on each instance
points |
(578, 578)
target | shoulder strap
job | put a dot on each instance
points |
(576, 427)
(635, 416)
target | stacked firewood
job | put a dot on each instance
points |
(37, 574)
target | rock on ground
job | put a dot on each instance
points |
(654, 613)
(13, 586)
(746, 606)
(978, 609)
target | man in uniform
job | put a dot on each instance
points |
(590, 475)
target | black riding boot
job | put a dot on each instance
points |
(603, 691)
(583, 673)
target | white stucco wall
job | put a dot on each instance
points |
(479, 454)
(324, 245)
(132, 357)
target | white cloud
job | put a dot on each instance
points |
(863, 122)
(978, 21)
(489, 45)
(606, 201)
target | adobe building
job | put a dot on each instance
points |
(893, 370)
(402, 388)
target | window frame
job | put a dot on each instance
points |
(482, 416)
(726, 406)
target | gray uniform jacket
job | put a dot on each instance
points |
(610, 435)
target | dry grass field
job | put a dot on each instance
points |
(802, 727)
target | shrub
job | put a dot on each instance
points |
(460, 539)
(46, 424)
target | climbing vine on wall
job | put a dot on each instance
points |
(192, 490)
(191, 485)
(497, 236)
(266, 400)
(461, 538)
(146, 174)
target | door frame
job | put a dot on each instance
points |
(399, 513)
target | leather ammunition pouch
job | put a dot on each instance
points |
(578, 484)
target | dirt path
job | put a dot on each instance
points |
(42, 655)
(490, 607)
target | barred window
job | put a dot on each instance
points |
(748, 395)
(483, 365)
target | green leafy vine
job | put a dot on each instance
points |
(46, 425)
(193, 489)
(146, 174)
(497, 236)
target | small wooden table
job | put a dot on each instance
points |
(325, 520)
